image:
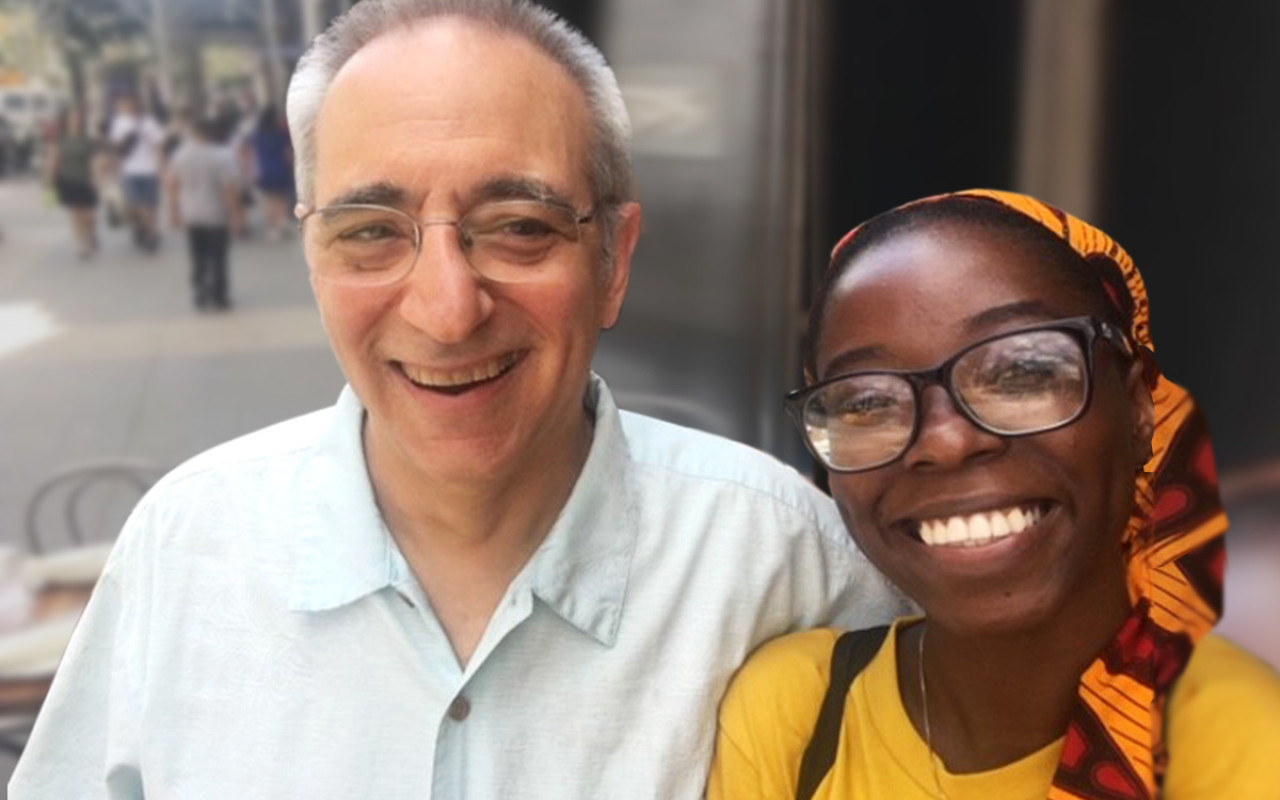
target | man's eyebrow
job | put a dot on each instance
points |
(1034, 310)
(512, 187)
(382, 193)
(507, 187)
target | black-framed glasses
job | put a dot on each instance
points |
(1021, 382)
(359, 244)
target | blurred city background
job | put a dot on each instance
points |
(763, 130)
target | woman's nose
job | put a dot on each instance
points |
(947, 438)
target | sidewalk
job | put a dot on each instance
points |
(107, 357)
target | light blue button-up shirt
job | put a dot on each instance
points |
(257, 633)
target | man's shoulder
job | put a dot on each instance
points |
(707, 460)
(262, 449)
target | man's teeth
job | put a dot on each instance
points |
(433, 379)
(978, 529)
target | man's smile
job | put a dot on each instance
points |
(457, 381)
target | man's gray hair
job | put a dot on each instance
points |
(609, 156)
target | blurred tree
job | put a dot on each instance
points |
(82, 28)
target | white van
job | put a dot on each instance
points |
(26, 112)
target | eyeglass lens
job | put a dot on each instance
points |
(1017, 384)
(503, 241)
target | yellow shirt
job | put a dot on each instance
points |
(1223, 728)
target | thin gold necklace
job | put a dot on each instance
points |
(924, 707)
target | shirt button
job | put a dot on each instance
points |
(459, 709)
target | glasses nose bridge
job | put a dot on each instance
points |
(422, 226)
(940, 376)
(420, 229)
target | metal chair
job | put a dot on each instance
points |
(63, 504)
(74, 486)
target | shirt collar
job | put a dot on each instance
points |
(581, 570)
(344, 550)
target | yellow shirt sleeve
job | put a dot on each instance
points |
(1224, 727)
(767, 718)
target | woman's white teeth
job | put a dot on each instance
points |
(978, 529)
(484, 372)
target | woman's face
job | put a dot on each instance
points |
(912, 301)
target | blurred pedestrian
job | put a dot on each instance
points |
(139, 142)
(273, 154)
(203, 189)
(6, 145)
(69, 172)
(241, 142)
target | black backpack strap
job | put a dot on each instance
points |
(853, 651)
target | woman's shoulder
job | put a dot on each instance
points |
(778, 693)
(768, 714)
(781, 686)
(795, 667)
(792, 649)
(1224, 725)
(1220, 669)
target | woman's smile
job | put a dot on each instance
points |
(980, 528)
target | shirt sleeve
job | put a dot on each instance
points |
(228, 170)
(120, 128)
(85, 740)
(154, 131)
(842, 589)
(1224, 726)
(767, 716)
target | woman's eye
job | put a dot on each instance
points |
(1024, 374)
(865, 406)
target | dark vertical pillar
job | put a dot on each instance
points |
(1191, 169)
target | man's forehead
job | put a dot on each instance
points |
(446, 97)
(449, 44)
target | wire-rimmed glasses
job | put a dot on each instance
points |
(1017, 383)
(359, 244)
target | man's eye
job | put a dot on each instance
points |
(524, 228)
(372, 232)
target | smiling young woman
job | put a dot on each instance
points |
(1003, 447)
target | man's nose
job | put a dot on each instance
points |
(947, 438)
(444, 297)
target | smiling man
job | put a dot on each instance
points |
(473, 577)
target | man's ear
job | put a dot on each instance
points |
(1143, 412)
(625, 235)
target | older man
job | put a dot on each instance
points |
(473, 577)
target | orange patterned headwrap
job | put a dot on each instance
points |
(1173, 545)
